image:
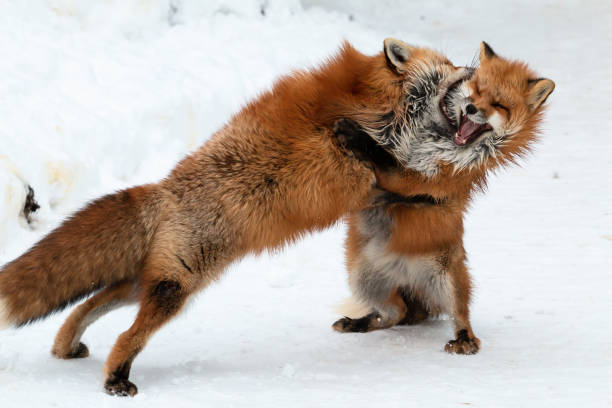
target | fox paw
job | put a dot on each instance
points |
(81, 352)
(348, 325)
(463, 344)
(358, 143)
(353, 138)
(120, 387)
(362, 325)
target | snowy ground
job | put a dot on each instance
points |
(96, 96)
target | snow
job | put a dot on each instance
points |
(97, 96)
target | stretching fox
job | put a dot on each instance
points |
(273, 173)
(406, 261)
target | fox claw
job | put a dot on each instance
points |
(463, 344)
(120, 387)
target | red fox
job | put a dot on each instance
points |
(406, 260)
(273, 173)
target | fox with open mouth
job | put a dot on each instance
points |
(406, 259)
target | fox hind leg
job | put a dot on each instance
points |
(386, 314)
(67, 343)
(412, 312)
(161, 301)
(416, 312)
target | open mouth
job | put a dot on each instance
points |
(466, 131)
(469, 131)
(446, 100)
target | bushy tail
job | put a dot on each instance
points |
(103, 243)
(353, 308)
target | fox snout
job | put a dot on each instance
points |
(473, 113)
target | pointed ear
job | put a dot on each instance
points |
(486, 52)
(397, 54)
(539, 89)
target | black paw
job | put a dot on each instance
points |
(120, 387)
(354, 139)
(361, 325)
(463, 344)
(81, 352)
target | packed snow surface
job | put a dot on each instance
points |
(100, 95)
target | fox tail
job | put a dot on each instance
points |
(353, 308)
(105, 242)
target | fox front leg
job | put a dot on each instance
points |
(357, 141)
(465, 341)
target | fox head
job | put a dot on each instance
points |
(459, 116)
(499, 109)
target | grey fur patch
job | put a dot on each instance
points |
(378, 272)
(375, 223)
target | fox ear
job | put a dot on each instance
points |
(397, 54)
(539, 89)
(486, 52)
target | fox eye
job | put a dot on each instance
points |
(500, 106)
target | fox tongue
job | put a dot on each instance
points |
(469, 130)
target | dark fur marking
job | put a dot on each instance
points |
(167, 296)
(166, 289)
(185, 265)
(462, 335)
(123, 371)
(270, 181)
(488, 51)
(419, 199)
(423, 199)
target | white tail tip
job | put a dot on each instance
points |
(353, 308)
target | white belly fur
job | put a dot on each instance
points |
(422, 274)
